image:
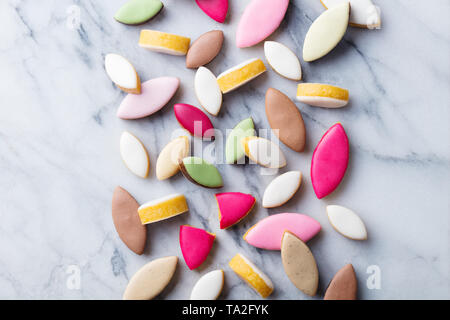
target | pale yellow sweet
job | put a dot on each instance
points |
(164, 42)
(322, 95)
(251, 274)
(163, 208)
(167, 163)
(240, 74)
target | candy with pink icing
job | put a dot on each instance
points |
(194, 120)
(155, 94)
(233, 207)
(329, 161)
(195, 245)
(268, 232)
(259, 20)
(215, 9)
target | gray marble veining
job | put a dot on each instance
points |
(59, 154)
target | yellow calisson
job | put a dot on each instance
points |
(322, 95)
(164, 42)
(163, 208)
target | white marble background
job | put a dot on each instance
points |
(59, 156)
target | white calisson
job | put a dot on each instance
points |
(282, 60)
(346, 222)
(282, 189)
(209, 286)
(134, 154)
(208, 91)
(122, 73)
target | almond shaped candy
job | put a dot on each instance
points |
(134, 155)
(363, 13)
(268, 232)
(285, 120)
(136, 12)
(233, 207)
(126, 220)
(346, 222)
(209, 286)
(163, 208)
(264, 152)
(326, 32)
(233, 147)
(259, 20)
(322, 95)
(164, 42)
(204, 49)
(329, 161)
(343, 286)
(195, 244)
(215, 9)
(283, 60)
(299, 264)
(151, 279)
(252, 275)
(194, 120)
(122, 73)
(201, 172)
(241, 74)
(208, 91)
(155, 94)
(167, 163)
(282, 189)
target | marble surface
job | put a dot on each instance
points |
(59, 154)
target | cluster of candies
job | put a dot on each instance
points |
(286, 232)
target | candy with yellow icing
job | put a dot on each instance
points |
(252, 275)
(163, 208)
(322, 95)
(241, 74)
(164, 42)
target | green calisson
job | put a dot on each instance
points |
(201, 172)
(233, 148)
(136, 12)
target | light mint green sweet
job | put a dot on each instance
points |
(201, 172)
(138, 11)
(233, 148)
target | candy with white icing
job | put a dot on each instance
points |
(268, 232)
(282, 189)
(233, 207)
(363, 13)
(263, 152)
(135, 12)
(208, 91)
(285, 120)
(167, 163)
(209, 286)
(282, 60)
(201, 172)
(151, 279)
(164, 42)
(127, 222)
(215, 9)
(233, 147)
(122, 73)
(346, 222)
(194, 120)
(134, 154)
(204, 49)
(155, 94)
(252, 275)
(163, 208)
(299, 264)
(259, 20)
(241, 74)
(329, 161)
(195, 244)
(322, 95)
(326, 32)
